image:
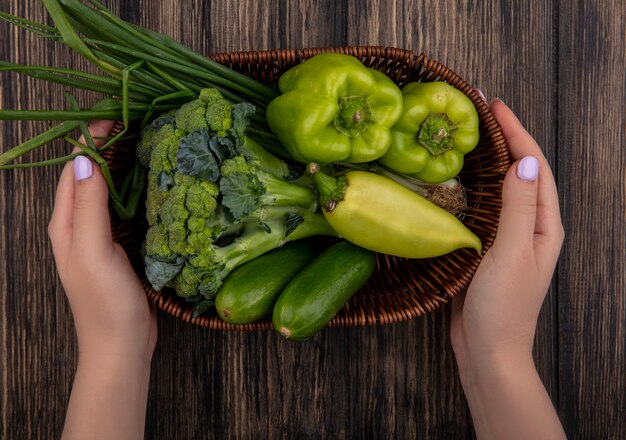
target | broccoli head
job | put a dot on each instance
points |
(215, 198)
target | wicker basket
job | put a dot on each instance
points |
(399, 288)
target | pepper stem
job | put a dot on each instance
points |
(437, 134)
(331, 189)
(354, 115)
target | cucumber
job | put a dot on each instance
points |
(250, 291)
(314, 296)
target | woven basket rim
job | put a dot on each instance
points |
(413, 299)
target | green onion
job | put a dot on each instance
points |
(143, 73)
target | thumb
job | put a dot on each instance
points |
(519, 203)
(91, 223)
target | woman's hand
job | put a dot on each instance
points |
(108, 302)
(115, 325)
(493, 325)
(498, 315)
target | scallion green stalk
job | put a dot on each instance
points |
(143, 72)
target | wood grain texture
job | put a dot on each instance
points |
(559, 65)
(592, 164)
(38, 343)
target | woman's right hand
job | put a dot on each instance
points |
(493, 325)
(498, 314)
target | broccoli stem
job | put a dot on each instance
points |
(281, 193)
(256, 241)
(266, 160)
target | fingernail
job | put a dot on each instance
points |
(83, 168)
(528, 168)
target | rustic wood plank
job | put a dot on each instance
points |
(592, 130)
(276, 25)
(33, 306)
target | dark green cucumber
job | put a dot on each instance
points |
(250, 291)
(314, 296)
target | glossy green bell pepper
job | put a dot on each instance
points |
(333, 108)
(438, 126)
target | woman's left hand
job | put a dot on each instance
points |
(109, 305)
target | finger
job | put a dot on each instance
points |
(91, 224)
(60, 226)
(548, 213)
(61, 221)
(519, 204)
(521, 144)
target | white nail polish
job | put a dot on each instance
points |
(528, 168)
(83, 168)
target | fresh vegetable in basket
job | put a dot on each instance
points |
(215, 199)
(250, 291)
(449, 195)
(333, 108)
(438, 126)
(379, 214)
(316, 294)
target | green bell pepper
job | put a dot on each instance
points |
(333, 108)
(438, 126)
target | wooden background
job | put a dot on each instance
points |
(558, 64)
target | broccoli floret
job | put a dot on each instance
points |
(178, 237)
(154, 199)
(147, 141)
(237, 164)
(144, 146)
(157, 242)
(184, 180)
(174, 209)
(201, 199)
(210, 112)
(196, 224)
(187, 282)
(189, 203)
(191, 116)
(165, 148)
(196, 241)
(219, 111)
(200, 275)
(203, 259)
